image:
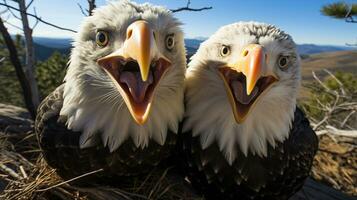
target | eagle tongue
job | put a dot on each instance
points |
(137, 87)
(240, 92)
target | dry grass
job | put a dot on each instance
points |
(336, 124)
(334, 61)
(28, 177)
(336, 163)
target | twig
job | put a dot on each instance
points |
(38, 18)
(23, 172)
(347, 117)
(70, 180)
(36, 23)
(349, 18)
(29, 4)
(315, 127)
(89, 11)
(13, 25)
(338, 132)
(322, 84)
(10, 171)
(158, 182)
(338, 81)
(3, 11)
(187, 8)
(339, 104)
(12, 13)
(82, 10)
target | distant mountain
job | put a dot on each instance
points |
(44, 52)
(312, 48)
(53, 42)
(46, 46)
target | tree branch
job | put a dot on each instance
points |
(82, 10)
(91, 7)
(36, 23)
(29, 4)
(350, 19)
(12, 13)
(39, 18)
(338, 111)
(18, 68)
(3, 11)
(30, 54)
(351, 45)
(339, 132)
(187, 8)
(13, 25)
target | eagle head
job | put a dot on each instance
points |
(125, 77)
(241, 88)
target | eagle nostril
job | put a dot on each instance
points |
(129, 33)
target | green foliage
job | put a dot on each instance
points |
(346, 89)
(339, 10)
(348, 80)
(10, 89)
(50, 73)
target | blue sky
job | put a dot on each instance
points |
(300, 18)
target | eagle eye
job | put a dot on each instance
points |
(102, 38)
(283, 62)
(225, 50)
(170, 42)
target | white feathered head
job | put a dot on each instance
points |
(241, 88)
(125, 78)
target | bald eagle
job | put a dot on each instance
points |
(243, 136)
(122, 98)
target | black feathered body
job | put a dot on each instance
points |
(277, 176)
(60, 148)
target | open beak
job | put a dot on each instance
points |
(136, 69)
(245, 80)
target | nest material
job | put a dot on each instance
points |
(25, 175)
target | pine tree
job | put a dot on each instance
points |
(10, 90)
(50, 73)
(341, 10)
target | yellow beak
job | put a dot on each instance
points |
(251, 63)
(140, 45)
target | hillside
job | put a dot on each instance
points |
(44, 52)
(312, 48)
(334, 61)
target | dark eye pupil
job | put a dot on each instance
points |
(283, 61)
(225, 50)
(169, 42)
(101, 37)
